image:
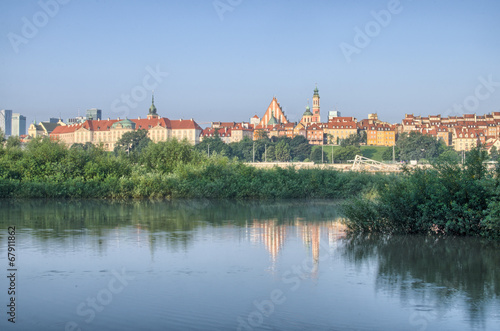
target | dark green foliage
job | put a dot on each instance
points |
(416, 146)
(449, 156)
(13, 142)
(353, 140)
(316, 155)
(388, 154)
(300, 148)
(132, 143)
(270, 154)
(344, 154)
(447, 199)
(214, 145)
(165, 156)
(494, 153)
(282, 151)
(171, 169)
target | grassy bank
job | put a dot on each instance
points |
(171, 169)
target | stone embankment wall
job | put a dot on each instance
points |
(311, 165)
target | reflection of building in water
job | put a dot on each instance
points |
(311, 237)
(271, 234)
(311, 234)
(336, 231)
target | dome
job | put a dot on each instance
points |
(308, 112)
(125, 124)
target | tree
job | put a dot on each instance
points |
(261, 134)
(449, 156)
(353, 140)
(493, 153)
(316, 155)
(215, 144)
(344, 154)
(243, 149)
(271, 154)
(387, 154)
(282, 151)
(416, 146)
(300, 148)
(13, 142)
(132, 143)
(2, 137)
(164, 156)
(362, 135)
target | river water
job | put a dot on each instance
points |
(199, 265)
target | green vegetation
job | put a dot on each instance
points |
(171, 169)
(447, 199)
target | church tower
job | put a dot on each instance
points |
(152, 110)
(316, 115)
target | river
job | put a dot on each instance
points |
(202, 265)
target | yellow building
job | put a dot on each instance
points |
(464, 139)
(337, 131)
(381, 135)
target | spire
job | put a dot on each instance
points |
(152, 109)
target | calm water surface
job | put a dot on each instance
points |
(196, 265)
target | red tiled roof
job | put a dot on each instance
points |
(184, 124)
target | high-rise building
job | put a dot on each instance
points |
(94, 114)
(76, 120)
(6, 121)
(54, 120)
(18, 124)
(333, 114)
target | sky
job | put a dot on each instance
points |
(224, 60)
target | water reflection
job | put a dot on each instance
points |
(171, 221)
(433, 278)
(435, 272)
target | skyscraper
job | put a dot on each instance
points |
(18, 124)
(94, 114)
(6, 121)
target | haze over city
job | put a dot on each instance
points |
(225, 60)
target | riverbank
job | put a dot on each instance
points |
(447, 199)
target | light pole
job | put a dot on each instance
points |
(208, 150)
(265, 153)
(322, 154)
(254, 152)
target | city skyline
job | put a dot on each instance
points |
(225, 61)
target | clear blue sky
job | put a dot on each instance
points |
(428, 57)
